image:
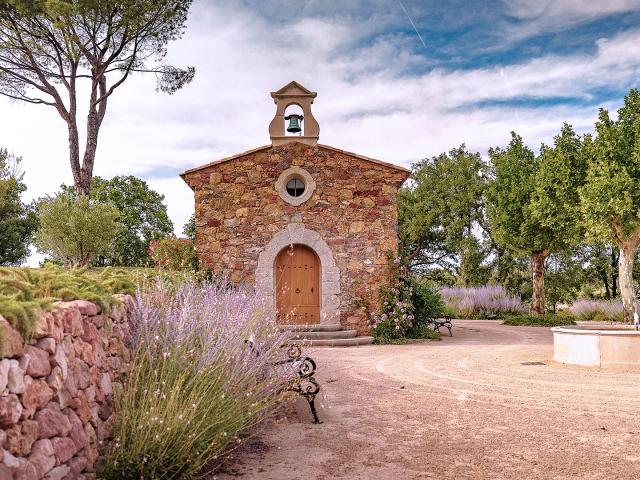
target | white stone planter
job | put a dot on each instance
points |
(597, 345)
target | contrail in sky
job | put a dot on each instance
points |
(412, 24)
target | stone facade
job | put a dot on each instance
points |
(350, 220)
(55, 391)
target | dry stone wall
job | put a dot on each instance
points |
(55, 391)
(352, 208)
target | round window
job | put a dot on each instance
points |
(295, 187)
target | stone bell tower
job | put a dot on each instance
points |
(294, 94)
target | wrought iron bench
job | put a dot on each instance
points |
(304, 383)
(442, 322)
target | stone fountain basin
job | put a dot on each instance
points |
(596, 345)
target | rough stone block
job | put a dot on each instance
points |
(20, 437)
(47, 344)
(52, 422)
(10, 410)
(43, 456)
(16, 377)
(64, 449)
(58, 473)
(37, 395)
(5, 365)
(39, 365)
(85, 307)
(12, 345)
(5, 472)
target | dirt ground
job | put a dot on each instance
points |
(486, 404)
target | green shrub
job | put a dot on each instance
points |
(174, 254)
(547, 320)
(427, 304)
(73, 231)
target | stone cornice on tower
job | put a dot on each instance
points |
(294, 94)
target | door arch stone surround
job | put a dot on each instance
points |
(297, 233)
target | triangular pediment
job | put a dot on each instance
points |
(291, 145)
(293, 88)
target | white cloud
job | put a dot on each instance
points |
(541, 16)
(368, 101)
(567, 10)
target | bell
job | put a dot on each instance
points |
(294, 123)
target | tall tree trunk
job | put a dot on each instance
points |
(537, 273)
(74, 155)
(625, 272)
(614, 261)
(605, 280)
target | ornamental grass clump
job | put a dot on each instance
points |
(201, 376)
(597, 310)
(481, 302)
(24, 292)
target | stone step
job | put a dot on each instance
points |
(311, 328)
(322, 335)
(339, 342)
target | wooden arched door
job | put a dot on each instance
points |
(298, 285)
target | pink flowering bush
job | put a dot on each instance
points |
(174, 254)
(392, 324)
(201, 375)
(404, 307)
(597, 310)
(481, 302)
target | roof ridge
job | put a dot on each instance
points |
(291, 84)
(264, 147)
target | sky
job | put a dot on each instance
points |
(396, 80)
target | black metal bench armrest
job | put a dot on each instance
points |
(442, 322)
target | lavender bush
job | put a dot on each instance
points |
(597, 310)
(480, 302)
(200, 376)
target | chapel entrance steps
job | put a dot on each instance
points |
(325, 336)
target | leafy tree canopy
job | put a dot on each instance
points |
(51, 49)
(611, 195)
(554, 209)
(142, 214)
(74, 231)
(189, 229)
(440, 206)
(17, 220)
(508, 196)
(533, 202)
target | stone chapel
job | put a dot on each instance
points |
(309, 225)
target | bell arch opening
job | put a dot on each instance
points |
(294, 120)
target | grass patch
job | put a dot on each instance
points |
(25, 292)
(547, 320)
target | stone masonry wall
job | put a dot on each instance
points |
(353, 208)
(55, 391)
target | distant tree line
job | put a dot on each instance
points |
(551, 227)
(114, 226)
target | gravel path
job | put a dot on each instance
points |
(485, 404)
